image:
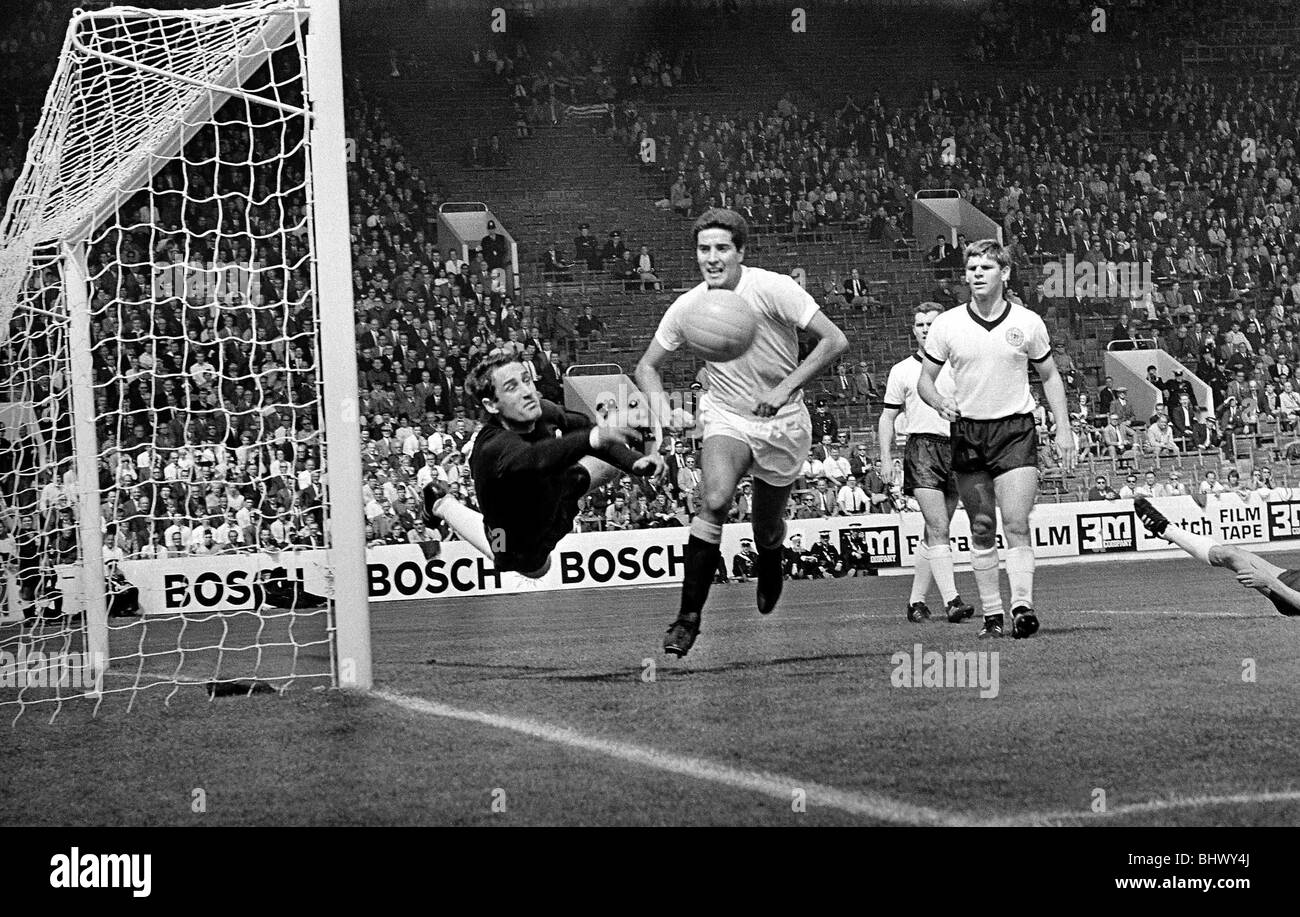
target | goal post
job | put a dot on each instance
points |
(334, 282)
(178, 388)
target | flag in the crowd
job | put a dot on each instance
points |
(591, 112)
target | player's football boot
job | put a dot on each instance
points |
(992, 628)
(681, 635)
(1152, 518)
(434, 491)
(918, 612)
(958, 611)
(770, 580)
(1024, 623)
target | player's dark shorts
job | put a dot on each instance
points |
(927, 463)
(1289, 578)
(539, 543)
(994, 446)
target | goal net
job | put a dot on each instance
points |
(180, 498)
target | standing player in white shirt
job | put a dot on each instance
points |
(754, 417)
(990, 343)
(927, 472)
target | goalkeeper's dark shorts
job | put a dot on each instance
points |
(1289, 578)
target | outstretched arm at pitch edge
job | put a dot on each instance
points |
(1264, 581)
(831, 344)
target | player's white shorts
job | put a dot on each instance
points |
(779, 444)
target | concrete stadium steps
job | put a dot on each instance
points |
(564, 176)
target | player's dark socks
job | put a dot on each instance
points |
(701, 563)
(770, 580)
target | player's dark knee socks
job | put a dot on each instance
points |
(701, 563)
(771, 579)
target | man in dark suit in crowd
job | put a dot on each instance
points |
(614, 248)
(1179, 385)
(1106, 395)
(493, 247)
(586, 249)
(1182, 417)
(550, 376)
(940, 256)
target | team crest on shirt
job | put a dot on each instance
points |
(1015, 337)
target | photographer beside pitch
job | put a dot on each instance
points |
(754, 417)
(990, 343)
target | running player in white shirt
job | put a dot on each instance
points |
(990, 343)
(927, 472)
(754, 417)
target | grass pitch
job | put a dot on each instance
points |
(1138, 686)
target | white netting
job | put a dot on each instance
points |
(189, 208)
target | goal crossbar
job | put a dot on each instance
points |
(49, 204)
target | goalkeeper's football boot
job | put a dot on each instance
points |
(434, 491)
(958, 610)
(681, 635)
(992, 628)
(1024, 623)
(918, 612)
(771, 579)
(1152, 518)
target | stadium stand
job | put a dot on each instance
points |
(1178, 160)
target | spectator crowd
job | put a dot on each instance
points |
(208, 406)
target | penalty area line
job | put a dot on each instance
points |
(867, 805)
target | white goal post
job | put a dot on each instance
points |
(178, 389)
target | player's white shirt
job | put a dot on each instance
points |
(990, 359)
(902, 393)
(782, 306)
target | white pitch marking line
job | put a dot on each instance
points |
(1175, 802)
(870, 805)
(777, 787)
(1171, 614)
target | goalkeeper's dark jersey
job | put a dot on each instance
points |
(527, 487)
